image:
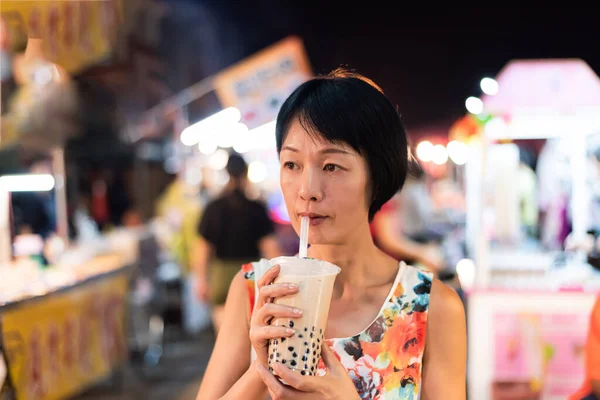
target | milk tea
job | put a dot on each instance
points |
(302, 351)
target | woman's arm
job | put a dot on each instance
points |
(229, 373)
(249, 386)
(445, 359)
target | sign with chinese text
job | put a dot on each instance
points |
(76, 34)
(258, 85)
(60, 344)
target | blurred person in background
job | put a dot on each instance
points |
(403, 220)
(233, 230)
(416, 209)
(178, 210)
(343, 154)
(390, 239)
(591, 387)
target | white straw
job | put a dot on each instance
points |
(303, 251)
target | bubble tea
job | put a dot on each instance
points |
(302, 351)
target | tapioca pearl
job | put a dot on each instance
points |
(303, 372)
(306, 343)
(282, 339)
(300, 336)
(314, 353)
(291, 348)
(305, 329)
(314, 361)
(313, 328)
(307, 351)
(320, 330)
(278, 355)
(295, 355)
(304, 358)
(271, 356)
(318, 340)
(291, 324)
(283, 361)
(313, 345)
(293, 363)
(311, 335)
(312, 368)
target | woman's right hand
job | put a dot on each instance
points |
(265, 310)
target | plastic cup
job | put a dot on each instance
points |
(302, 351)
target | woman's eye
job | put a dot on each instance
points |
(331, 168)
(289, 165)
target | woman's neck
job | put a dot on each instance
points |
(362, 263)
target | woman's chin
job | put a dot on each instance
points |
(322, 239)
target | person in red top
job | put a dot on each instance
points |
(395, 244)
(591, 387)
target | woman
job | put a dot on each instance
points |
(233, 230)
(392, 332)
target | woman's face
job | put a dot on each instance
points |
(327, 182)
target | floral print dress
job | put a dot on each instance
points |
(385, 360)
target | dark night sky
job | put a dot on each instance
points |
(427, 62)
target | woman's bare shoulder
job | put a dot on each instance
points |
(444, 302)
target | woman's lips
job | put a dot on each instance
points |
(315, 219)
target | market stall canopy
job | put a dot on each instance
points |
(544, 86)
(544, 98)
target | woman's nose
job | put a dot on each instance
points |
(310, 188)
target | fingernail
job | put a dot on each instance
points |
(292, 286)
(297, 311)
(290, 331)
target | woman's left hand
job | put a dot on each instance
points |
(335, 384)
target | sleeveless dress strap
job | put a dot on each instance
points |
(253, 272)
(248, 271)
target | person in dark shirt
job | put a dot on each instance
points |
(234, 230)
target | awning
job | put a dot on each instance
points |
(76, 34)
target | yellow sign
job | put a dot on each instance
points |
(76, 34)
(57, 346)
(258, 85)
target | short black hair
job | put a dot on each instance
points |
(345, 107)
(236, 166)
